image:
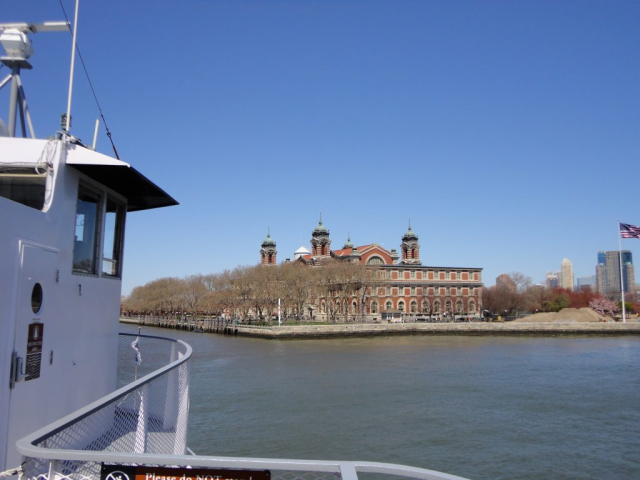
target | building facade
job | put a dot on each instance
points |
(397, 282)
(608, 272)
(566, 274)
(587, 284)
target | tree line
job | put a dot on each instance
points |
(256, 292)
(518, 294)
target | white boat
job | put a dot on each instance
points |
(75, 400)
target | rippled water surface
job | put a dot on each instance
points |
(478, 407)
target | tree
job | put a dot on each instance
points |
(605, 307)
(299, 283)
(537, 299)
(502, 300)
(520, 280)
(156, 297)
(191, 292)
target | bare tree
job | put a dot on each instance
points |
(192, 291)
(520, 280)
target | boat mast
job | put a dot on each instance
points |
(73, 62)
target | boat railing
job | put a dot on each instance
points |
(147, 414)
(143, 424)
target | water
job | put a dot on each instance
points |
(478, 407)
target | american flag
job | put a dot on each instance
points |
(629, 231)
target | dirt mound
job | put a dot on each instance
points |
(565, 315)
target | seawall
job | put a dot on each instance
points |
(473, 328)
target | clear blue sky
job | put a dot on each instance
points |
(508, 132)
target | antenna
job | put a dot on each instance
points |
(17, 45)
(73, 62)
(95, 134)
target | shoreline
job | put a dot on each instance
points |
(472, 328)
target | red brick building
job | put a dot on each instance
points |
(399, 282)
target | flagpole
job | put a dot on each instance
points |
(624, 315)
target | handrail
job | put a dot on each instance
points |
(26, 445)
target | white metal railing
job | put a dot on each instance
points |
(147, 415)
(144, 424)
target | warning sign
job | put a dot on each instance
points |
(34, 351)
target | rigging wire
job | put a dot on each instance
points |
(86, 72)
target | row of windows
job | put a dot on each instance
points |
(388, 291)
(427, 275)
(425, 307)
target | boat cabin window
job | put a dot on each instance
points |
(25, 185)
(85, 246)
(113, 235)
(99, 230)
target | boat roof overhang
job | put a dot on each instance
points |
(140, 192)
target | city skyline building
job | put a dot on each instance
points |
(608, 280)
(566, 274)
(587, 283)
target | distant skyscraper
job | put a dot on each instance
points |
(566, 270)
(586, 283)
(552, 280)
(608, 272)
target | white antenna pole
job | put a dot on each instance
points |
(95, 134)
(624, 316)
(73, 61)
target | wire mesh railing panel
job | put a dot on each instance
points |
(149, 416)
(298, 475)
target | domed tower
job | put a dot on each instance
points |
(268, 251)
(349, 243)
(410, 248)
(320, 242)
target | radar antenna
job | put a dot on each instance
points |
(18, 48)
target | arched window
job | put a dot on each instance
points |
(374, 307)
(436, 306)
(414, 306)
(447, 306)
(459, 306)
(354, 307)
(323, 307)
(401, 305)
(472, 306)
(425, 306)
(388, 305)
(375, 260)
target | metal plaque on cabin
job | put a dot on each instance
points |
(34, 351)
(126, 472)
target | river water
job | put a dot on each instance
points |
(565, 407)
